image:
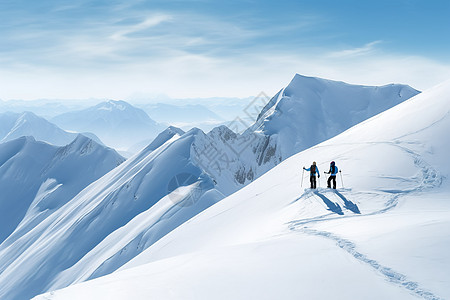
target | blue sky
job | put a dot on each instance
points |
(201, 48)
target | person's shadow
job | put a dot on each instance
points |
(348, 204)
(334, 207)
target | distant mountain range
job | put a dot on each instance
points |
(117, 123)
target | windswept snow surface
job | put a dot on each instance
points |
(385, 235)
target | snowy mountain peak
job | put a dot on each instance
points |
(13, 147)
(30, 118)
(15, 125)
(25, 164)
(27, 115)
(310, 110)
(223, 132)
(119, 106)
(81, 144)
(163, 137)
(175, 130)
(114, 104)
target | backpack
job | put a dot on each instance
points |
(313, 170)
(333, 169)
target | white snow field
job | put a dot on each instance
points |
(386, 235)
(173, 179)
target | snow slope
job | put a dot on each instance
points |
(15, 125)
(117, 123)
(386, 237)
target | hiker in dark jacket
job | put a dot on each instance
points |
(313, 170)
(333, 171)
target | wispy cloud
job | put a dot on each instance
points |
(368, 48)
(147, 23)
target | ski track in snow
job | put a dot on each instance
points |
(392, 276)
(430, 179)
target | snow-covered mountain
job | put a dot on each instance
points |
(117, 123)
(15, 125)
(110, 221)
(311, 110)
(173, 179)
(37, 178)
(384, 236)
(308, 111)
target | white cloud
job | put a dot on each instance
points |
(368, 48)
(147, 23)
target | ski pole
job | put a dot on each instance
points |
(303, 171)
(342, 181)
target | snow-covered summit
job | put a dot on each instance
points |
(113, 105)
(120, 109)
(163, 137)
(310, 110)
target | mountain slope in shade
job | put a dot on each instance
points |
(117, 123)
(15, 125)
(384, 236)
(37, 178)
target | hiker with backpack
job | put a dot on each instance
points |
(333, 171)
(313, 170)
